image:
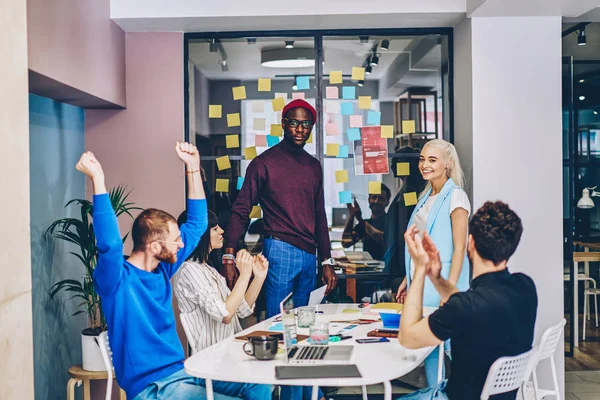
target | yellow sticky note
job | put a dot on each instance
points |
(358, 74)
(364, 102)
(276, 130)
(239, 92)
(222, 185)
(410, 199)
(387, 131)
(402, 169)
(309, 139)
(332, 149)
(341, 176)
(374, 187)
(215, 111)
(232, 141)
(408, 126)
(250, 153)
(256, 212)
(335, 77)
(278, 103)
(223, 163)
(264, 85)
(233, 120)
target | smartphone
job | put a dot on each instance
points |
(373, 340)
(383, 330)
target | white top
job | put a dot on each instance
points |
(201, 293)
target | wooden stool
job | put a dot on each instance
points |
(79, 375)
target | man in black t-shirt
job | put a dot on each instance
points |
(494, 318)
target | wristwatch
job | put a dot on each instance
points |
(329, 261)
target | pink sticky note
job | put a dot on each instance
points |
(331, 129)
(332, 92)
(260, 140)
(298, 95)
(356, 121)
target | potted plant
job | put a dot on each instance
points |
(80, 232)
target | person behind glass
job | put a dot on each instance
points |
(210, 311)
(443, 213)
(136, 293)
(494, 318)
(370, 230)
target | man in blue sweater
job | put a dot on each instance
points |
(137, 296)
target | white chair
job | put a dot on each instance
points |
(107, 358)
(508, 373)
(592, 291)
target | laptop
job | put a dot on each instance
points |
(308, 354)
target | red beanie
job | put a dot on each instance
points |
(302, 104)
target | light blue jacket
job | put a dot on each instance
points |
(439, 227)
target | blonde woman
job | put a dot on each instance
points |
(443, 212)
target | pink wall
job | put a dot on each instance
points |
(136, 146)
(76, 44)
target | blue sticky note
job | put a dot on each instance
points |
(345, 197)
(374, 118)
(347, 108)
(353, 134)
(303, 82)
(272, 140)
(240, 182)
(343, 151)
(348, 92)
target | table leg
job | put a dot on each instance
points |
(315, 393)
(71, 389)
(440, 361)
(387, 394)
(576, 305)
(351, 289)
(364, 392)
(86, 389)
(209, 390)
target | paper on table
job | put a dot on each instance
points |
(250, 153)
(264, 85)
(317, 296)
(403, 169)
(410, 199)
(303, 82)
(331, 129)
(256, 212)
(387, 131)
(374, 118)
(298, 96)
(233, 120)
(232, 141)
(278, 103)
(356, 121)
(358, 74)
(353, 134)
(374, 187)
(222, 185)
(341, 176)
(364, 102)
(240, 183)
(259, 124)
(348, 92)
(258, 106)
(223, 163)
(332, 149)
(239, 92)
(215, 111)
(345, 197)
(332, 107)
(347, 108)
(335, 77)
(276, 130)
(332, 92)
(408, 126)
(343, 151)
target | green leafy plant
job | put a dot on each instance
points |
(80, 232)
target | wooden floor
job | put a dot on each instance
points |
(587, 355)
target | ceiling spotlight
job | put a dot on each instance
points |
(224, 65)
(213, 46)
(251, 40)
(361, 83)
(374, 60)
(368, 70)
(595, 112)
(581, 40)
(364, 39)
(295, 86)
(581, 98)
(385, 45)
(289, 44)
(581, 80)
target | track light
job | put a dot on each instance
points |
(581, 98)
(295, 86)
(361, 83)
(364, 39)
(289, 44)
(368, 70)
(385, 45)
(581, 40)
(213, 46)
(224, 65)
(595, 112)
(251, 40)
(374, 60)
(581, 80)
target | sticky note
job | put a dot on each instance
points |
(284, 96)
(347, 108)
(348, 92)
(332, 92)
(259, 124)
(278, 103)
(331, 129)
(260, 140)
(239, 92)
(356, 121)
(374, 118)
(364, 102)
(358, 74)
(233, 120)
(374, 187)
(250, 153)
(232, 141)
(258, 106)
(303, 82)
(410, 199)
(272, 140)
(402, 169)
(343, 151)
(264, 85)
(408, 126)
(353, 134)
(332, 107)
(387, 131)
(298, 95)
(215, 111)
(256, 212)
(345, 197)
(223, 163)
(222, 185)
(332, 149)
(276, 130)
(309, 140)
(341, 176)
(335, 77)
(240, 183)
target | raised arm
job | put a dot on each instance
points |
(349, 237)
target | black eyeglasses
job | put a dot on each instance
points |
(294, 123)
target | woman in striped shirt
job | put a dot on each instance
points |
(210, 312)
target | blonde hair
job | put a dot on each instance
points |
(449, 153)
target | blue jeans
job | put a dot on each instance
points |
(181, 386)
(431, 364)
(436, 392)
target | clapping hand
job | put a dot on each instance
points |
(243, 262)
(354, 210)
(260, 267)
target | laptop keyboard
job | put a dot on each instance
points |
(308, 352)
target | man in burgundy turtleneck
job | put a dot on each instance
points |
(287, 182)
